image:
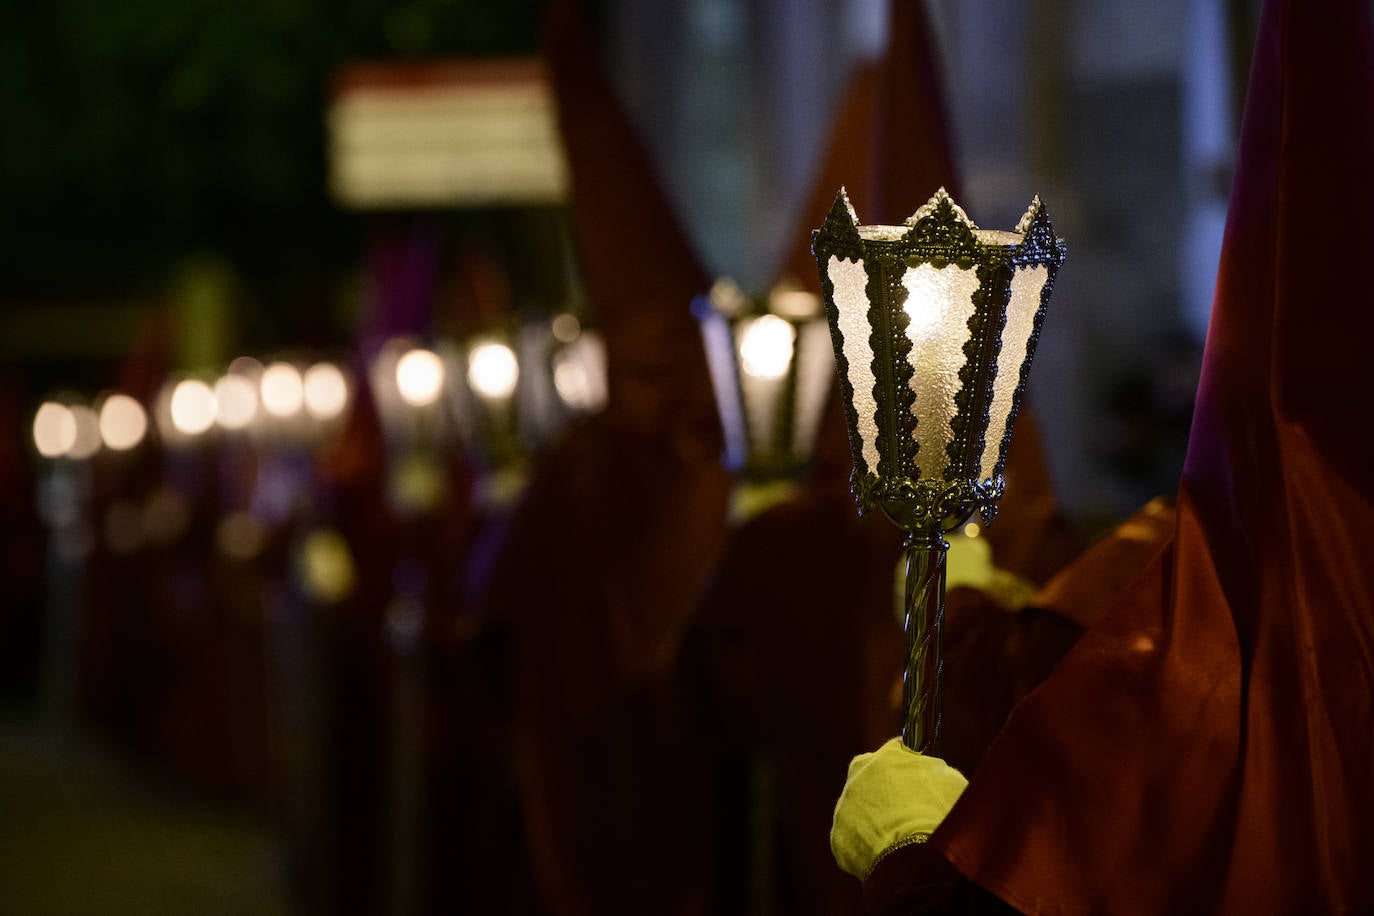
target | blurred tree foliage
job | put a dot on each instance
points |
(140, 131)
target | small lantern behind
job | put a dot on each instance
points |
(934, 325)
(771, 370)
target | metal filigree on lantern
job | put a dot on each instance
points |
(934, 325)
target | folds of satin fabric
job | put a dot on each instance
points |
(1207, 745)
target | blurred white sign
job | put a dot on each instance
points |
(469, 133)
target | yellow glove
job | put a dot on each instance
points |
(892, 798)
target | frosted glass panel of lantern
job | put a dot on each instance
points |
(579, 373)
(720, 360)
(536, 401)
(998, 237)
(761, 402)
(850, 280)
(766, 347)
(493, 370)
(87, 441)
(815, 372)
(939, 304)
(1026, 285)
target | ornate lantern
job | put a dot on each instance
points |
(934, 325)
(771, 371)
(490, 386)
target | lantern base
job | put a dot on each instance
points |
(918, 505)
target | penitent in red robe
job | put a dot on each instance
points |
(611, 544)
(1209, 745)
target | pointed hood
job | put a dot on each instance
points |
(636, 498)
(847, 162)
(611, 545)
(1208, 745)
(638, 266)
(912, 145)
(891, 142)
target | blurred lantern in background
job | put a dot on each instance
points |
(511, 394)
(484, 388)
(291, 405)
(236, 397)
(409, 383)
(564, 376)
(325, 391)
(87, 441)
(578, 366)
(123, 422)
(934, 325)
(492, 371)
(771, 369)
(54, 429)
(65, 433)
(186, 409)
(419, 377)
(236, 394)
(487, 389)
(281, 390)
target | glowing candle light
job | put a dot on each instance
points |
(493, 370)
(54, 429)
(765, 348)
(237, 398)
(326, 391)
(282, 391)
(193, 407)
(123, 422)
(419, 377)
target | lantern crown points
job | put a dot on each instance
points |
(842, 199)
(839, 232)
(727, 298)
(1023, 227)
(842, 217)
(939, 201)
(1038, 240)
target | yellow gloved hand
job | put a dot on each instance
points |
(893, 796)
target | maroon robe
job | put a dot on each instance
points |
(1207, 746)
(611, 544)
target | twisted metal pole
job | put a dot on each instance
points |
(923, 623)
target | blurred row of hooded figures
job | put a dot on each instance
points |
(612, 695)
